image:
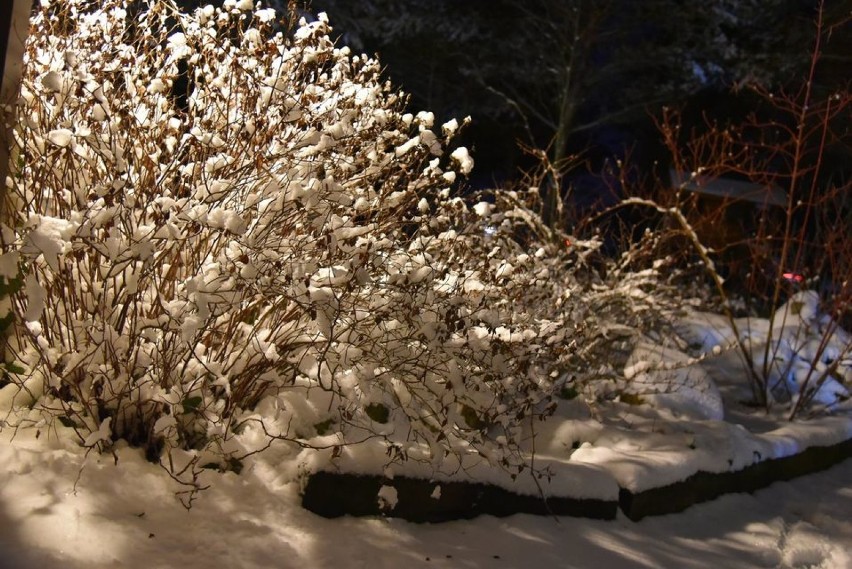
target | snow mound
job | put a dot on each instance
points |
(799, 351)
(669, 378)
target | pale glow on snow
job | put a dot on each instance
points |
(128, 516)
(72, 525)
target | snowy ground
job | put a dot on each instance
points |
(127, 516)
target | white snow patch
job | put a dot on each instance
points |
(462, 157)
(388, 497)
(62, 509)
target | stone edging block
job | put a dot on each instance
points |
(704, 486)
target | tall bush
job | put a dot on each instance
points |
(231, 237)
(208, 212)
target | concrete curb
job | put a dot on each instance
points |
(332, 495)
(704, 486)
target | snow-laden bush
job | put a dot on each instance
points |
(230, 238)
(209, 212)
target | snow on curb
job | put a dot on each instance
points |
(705, 486)
(708, 446)
(457, 488)
(591, 481)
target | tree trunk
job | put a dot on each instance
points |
(557, 158)
(575, 50)
(559, 153)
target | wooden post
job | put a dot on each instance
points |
(14, 28)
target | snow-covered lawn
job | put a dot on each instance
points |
(126, 515)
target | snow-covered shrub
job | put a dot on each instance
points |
(589, 311)
(230, 238)
(209, 214)
(797, 356)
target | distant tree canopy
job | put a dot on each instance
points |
(547, 69)
(582, 75)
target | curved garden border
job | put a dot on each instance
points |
(332, 494)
